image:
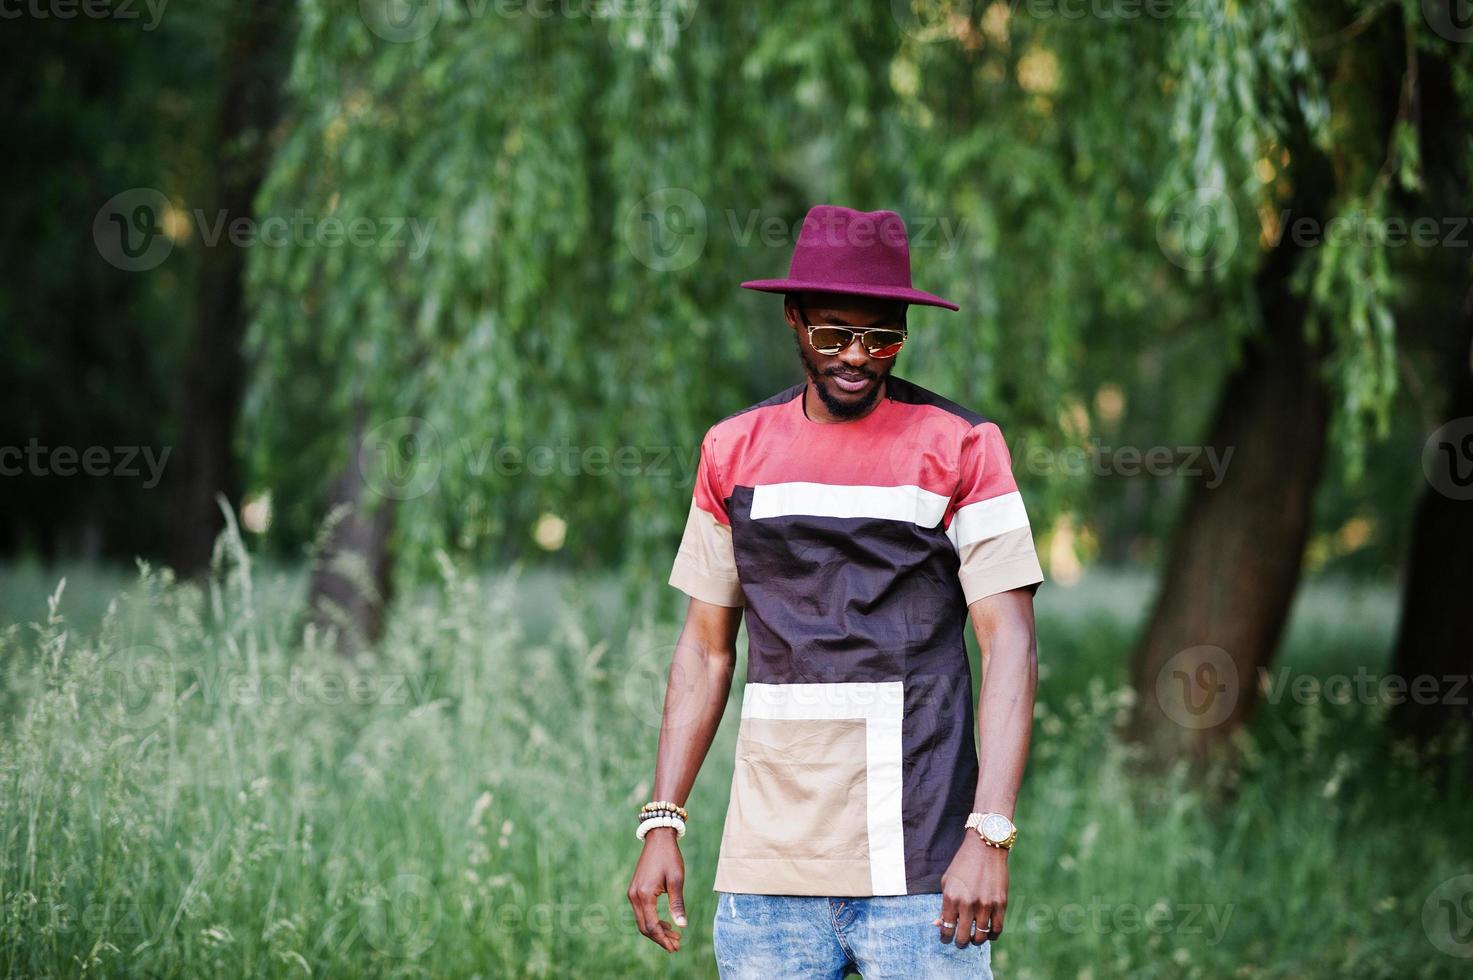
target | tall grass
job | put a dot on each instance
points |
(194, 788)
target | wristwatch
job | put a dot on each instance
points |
(995, 829)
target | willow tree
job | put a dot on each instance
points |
(1117, 169)
(1341, 96)
(546, 352)
(1145, 176)
(1090, 190)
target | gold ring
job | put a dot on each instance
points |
(948, 925)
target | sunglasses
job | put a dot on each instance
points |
(878, 341)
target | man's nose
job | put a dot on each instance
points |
(854, 355)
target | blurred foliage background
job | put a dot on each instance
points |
(441, 274)
(386, 284)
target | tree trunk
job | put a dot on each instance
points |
(1433, 644)
(351, 574)
(1433, 638)
(214, 380)
(1235, 557)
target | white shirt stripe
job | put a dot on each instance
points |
(987, 519)
(903, 503)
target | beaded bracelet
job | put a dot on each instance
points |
(674, 808)
(670, 820)
(661, 812)
(658, 814)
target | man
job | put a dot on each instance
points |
(859, 520)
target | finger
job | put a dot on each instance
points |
(964, 924)
(671, 935)
(649, 912)
(638, 915)
(640, 922)
(676, 885)
(997, 916)
(984, 918)
(946, 921)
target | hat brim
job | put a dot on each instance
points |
(915, 296)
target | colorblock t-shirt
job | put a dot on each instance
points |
(855, 548)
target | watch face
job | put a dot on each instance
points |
(996, 827)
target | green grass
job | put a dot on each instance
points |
(187, 787)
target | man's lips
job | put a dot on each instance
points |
(851, 382)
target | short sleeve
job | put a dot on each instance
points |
(989, 525)
(705, 566)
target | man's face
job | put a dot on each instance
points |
(848, 382)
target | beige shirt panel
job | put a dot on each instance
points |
(705, 566)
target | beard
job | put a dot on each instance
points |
(838, 409)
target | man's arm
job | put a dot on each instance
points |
(975, 886)
(695, 697)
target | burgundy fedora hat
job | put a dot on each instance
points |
(863, 253)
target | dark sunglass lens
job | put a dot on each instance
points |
(884, 343)
(830, 340)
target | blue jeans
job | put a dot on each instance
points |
(775, 937)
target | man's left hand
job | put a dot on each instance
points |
(974, 890)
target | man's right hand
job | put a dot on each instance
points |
(660, 870)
